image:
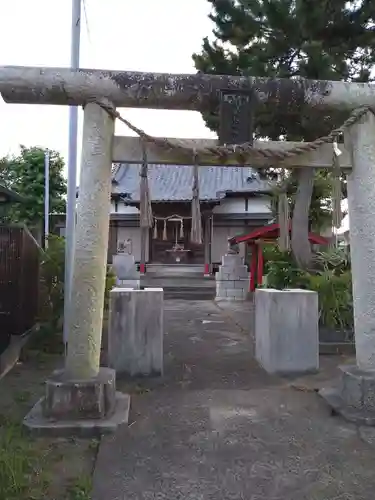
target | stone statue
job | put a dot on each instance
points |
(233, 249)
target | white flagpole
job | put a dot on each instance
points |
(72, 169)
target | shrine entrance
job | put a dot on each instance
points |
(101, 92)
(171, 242)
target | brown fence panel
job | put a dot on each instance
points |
(19, 281)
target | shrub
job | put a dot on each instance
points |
(336, 259)
(333, 282)
(331, 279)
(52, 282)
(281, 270)
(335, 298)
(110, 282)
(52, 295)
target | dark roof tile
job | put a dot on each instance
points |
(174, 182)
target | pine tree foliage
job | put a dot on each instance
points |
(312, 39)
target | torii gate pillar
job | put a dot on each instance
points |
(91, 245)
(355, 399)
(82, 399)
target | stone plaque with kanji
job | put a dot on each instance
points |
(236, 117)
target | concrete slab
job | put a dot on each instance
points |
(266, 443)
(39, 425)
(217, 427)
(136, 329)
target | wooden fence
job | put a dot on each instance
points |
(19, 282)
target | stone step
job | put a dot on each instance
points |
(163, 270)
(178, 282)
(189, 293)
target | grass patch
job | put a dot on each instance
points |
(37, 468)
(22, 396)
(81, 489)
(21, 465)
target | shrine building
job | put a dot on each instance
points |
(233, 200)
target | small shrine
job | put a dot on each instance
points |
(175, 227)
(255, 240)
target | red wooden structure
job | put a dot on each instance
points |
(265, 234)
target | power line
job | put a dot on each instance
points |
(86, 22)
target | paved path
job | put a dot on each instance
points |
(217, 427)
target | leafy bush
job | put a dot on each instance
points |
(52, 294)
(281, 270)
(335, 298)
(52, 282)
(333, 282)
(330, 278)
(110, 282)
(272, 253)
(336, 259)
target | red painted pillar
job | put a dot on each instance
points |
(253, 267)
(207, 246)
(142, 265)
(260, 265)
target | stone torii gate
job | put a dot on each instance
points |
(83, 396)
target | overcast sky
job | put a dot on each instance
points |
(142, 35)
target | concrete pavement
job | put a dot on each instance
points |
(218, 427)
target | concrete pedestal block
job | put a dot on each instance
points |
(286, 330)
(126, 271)
(130, 283)
(80, 407)
(135, 335)
(354, 396)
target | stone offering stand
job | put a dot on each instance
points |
(232, 279)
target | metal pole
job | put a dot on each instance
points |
(72, 169)
(46, 198)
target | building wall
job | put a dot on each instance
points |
(219, 244)
(220, 240)
(121, 208)
(131, 237)
(238, 205)
(227, 206)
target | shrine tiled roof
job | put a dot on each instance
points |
(174, 182)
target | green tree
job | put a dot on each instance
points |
(24, 173)
(314, 39)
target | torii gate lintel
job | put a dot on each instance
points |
(196, 92)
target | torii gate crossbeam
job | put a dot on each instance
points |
(196, 92)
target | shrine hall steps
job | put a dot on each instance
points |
(180, 282)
